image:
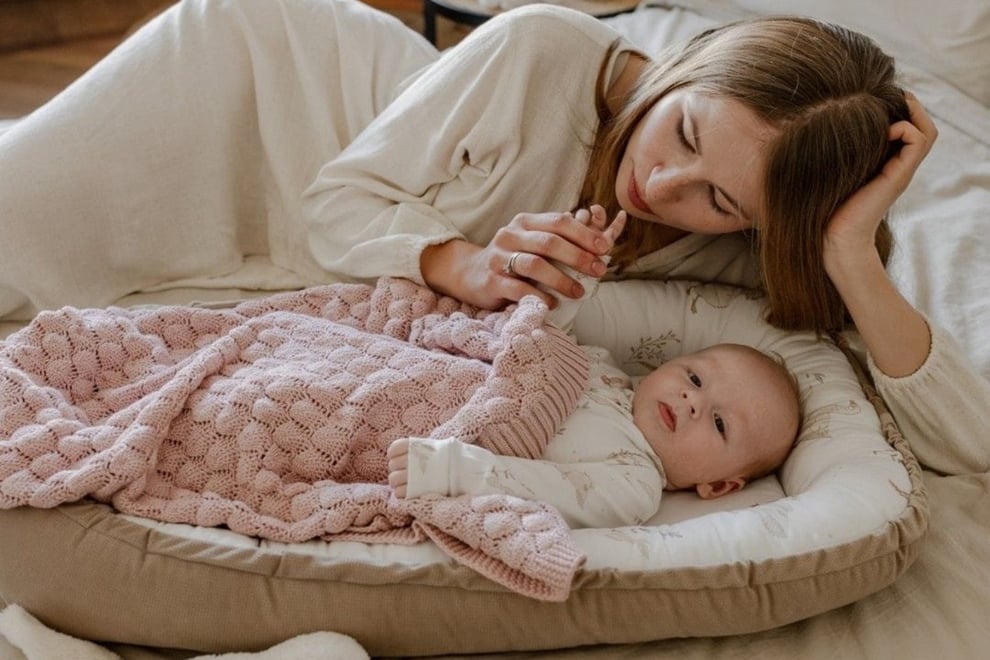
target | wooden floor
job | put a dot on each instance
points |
(30, 77)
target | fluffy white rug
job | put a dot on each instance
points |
(36, 641)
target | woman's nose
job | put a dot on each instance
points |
(667, 182)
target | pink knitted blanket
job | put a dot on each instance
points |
(272, 418)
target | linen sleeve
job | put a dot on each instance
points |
(620, 490)
(421, 172)
(941, 408)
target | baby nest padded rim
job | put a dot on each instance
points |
(92, 573)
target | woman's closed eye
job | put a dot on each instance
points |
(714, 202)
(682, 135)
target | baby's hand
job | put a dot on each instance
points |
(398, 464)
(595, 217)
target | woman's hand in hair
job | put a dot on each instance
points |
(520, 258)
(896, 335)
(850, 234)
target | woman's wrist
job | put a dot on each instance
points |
(895, 333)
(846, 263)
(439, 265)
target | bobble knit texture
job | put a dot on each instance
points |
(273, 418)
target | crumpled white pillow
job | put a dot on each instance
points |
(949, 39)
(593, 7)
(501, 5)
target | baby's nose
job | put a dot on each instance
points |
(693, 408)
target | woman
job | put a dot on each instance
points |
(740, 130)
(459, 171)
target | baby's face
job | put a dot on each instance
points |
(710, 416)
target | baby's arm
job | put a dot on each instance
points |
(622, 489)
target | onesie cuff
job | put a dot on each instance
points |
(428, 471)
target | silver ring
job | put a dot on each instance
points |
(510, 266)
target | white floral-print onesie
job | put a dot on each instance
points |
(597, 471)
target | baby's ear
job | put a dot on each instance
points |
(710, 491)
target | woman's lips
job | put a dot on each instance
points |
(667, 415)
(634, 197)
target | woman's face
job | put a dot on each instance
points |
(695, 163)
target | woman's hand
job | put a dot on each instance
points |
(895, 333)
(520, 257)
(850, 235)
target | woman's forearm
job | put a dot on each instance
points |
(895, 333)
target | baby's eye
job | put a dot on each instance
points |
(694, 379)
(720, 424)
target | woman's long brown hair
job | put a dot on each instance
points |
(831, 95)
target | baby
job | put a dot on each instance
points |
(709, 421)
